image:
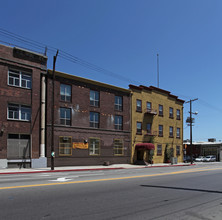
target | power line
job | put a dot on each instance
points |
(65, 55)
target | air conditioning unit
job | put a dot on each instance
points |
(65, 138)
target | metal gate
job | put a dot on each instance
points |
(18, 146)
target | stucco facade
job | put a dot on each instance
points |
(157, 118)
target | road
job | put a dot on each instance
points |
(193, 192)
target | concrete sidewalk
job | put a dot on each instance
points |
(86, 168)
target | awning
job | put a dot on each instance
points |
(145, 146)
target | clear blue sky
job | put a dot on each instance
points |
(124, 37)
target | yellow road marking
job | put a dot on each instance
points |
(116, 178)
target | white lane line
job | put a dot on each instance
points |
(64, 179)
(61, 179)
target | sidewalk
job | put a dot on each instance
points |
(85, 168)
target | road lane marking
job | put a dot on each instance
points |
(61, 179)
(115, 178)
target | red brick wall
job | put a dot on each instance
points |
(11, 94)
(80, 130)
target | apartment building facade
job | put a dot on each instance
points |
(21, 142)
(157, 125)
(91, 121)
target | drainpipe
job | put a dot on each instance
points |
(42, 143)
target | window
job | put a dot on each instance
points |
(178, 132)
(94, 146)
(19, 79)
(148, 106)
(139, 128)
(160, 130)
(19, 112)
(119, 103)
(94, 98)
(65, 92)
(65, 146)
(160, 110)
(65, 116)
(94, 120)
(118, 147)
(171, 112)
(171, 131)
(118, 122)
(148, 128)
(178, 150)
(178, 114)
(159, 150)
(138, 105)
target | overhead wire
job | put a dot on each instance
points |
(65, 55)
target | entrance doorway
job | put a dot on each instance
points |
(140, 154)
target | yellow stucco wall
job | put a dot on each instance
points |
(156, 97)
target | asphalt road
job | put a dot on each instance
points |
(193, 192)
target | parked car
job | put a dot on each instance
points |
(199, 159)
(210, 158)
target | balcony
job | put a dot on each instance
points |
(151, 133)
(149, 111)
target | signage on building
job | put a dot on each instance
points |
(79, 145)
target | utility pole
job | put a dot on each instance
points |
(190, 121)
(53, 106)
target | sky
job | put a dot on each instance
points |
(123, 38)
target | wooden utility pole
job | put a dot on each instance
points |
(53, 106)
(191, 121)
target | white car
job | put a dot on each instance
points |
(199, 159)
(209, 158)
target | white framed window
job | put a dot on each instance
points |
(119, 103)
(65, 116)
(94, 146)
(94, 98)
(19, 112)
(118, 122)
(94, 119)
(65, 92)
(19, 79)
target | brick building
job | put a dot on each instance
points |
(21, 142)
(157, 125)
(91, 121)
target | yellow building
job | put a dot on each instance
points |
(157, 126)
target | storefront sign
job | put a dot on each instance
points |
(79, 145)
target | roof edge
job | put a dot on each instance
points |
(81, 79)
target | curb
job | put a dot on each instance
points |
(93, 169)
